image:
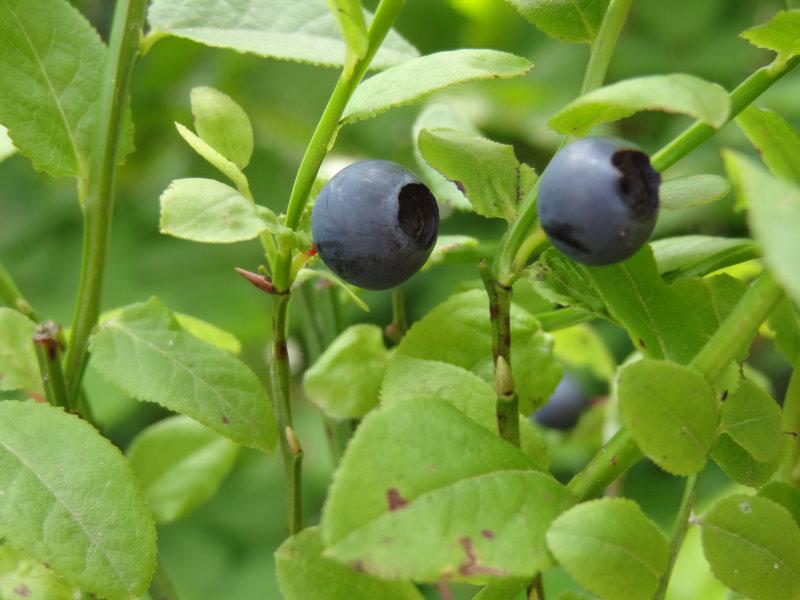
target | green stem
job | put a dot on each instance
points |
(618, 455)
(99, 199)
(291, 451)
(47, 342)
(738, 327)
(12, 297)
(500, 315)
(604, 44)
(744, 95)
(791, 427)
(679, 530)
(327, 128)
(621, 452)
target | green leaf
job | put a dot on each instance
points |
(56, 61)
(476, 529)
(410, 378)
(753, 546)
(566, 20)
(692, 191)
(776, 140)
(304, 573)
(350, 15)
(346, 380)
(774, 218)
(68, 498)
(304, 31)
(688, 256)
(25, 578)
(671, 412)
(739, 465)
(440, 116)
(204, 210)
(781, 35)
(145, 352)
(753, 420)
(6, 147)
(180, 464)
(676, 93)
(785, 495)
(458, 332)
(19, 369)
(403, 450)
(416, 79)
(611, 548)
(487, 172)
(214, 157)
(223, 125)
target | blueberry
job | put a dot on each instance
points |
(564, 407)
(598, 200)
(374, 224)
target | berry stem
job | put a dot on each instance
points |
(791, 427)
(327, 128)
(291, 451)
(621, 452)
(742, 97)
(679, 530)
(98, 199)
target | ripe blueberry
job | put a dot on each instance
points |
(598, 200)
(564, 407)
(374, 224)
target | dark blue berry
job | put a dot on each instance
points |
(598, 200)
(564, 407)
(374, 224)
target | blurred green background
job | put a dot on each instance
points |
(224, 550)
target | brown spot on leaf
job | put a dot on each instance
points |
(642, 344)
(225, 420)
(791, 434)
(22, 590)
(488, 534)
(358, 566)
(460, 187)
(724, 395)
(395, 500)
(471, 566)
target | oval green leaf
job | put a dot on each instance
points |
(296, 30)
(676, 93)
(671, 412)
(147, 353)
(68, 498)
(611, 548)
(416, 79)
(180, 465)
(692, 191)
(346, 380)
(753, 547)
(566, 20)
(223, 125)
